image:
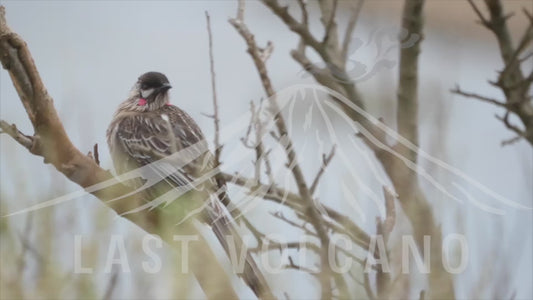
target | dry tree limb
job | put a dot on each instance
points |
(411, 197)
(511, 140)
(384, 229)
(329, 8)
(252, 278)
(293, 266)
(407, 108)
(27, 247)
(350, 28)
(216, 118)
(390, 219)
(325, 162)
(301, 29)
(29, 142)
(335, 228)
(261, 156)
(305, 21)
(511, 80)
(457, 90)
(507, 123)
(292, 160)
(96, 154)
(342, 223)
(51, 142)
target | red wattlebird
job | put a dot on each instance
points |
(148, 133)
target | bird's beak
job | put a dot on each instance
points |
(165, 87)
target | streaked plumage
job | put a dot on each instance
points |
(145, 131)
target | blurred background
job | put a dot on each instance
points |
(89, 54)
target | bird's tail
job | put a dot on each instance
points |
(223, 226)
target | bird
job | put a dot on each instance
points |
(148, 133)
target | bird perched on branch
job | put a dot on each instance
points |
(168, 148)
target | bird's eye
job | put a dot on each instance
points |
(144, 86)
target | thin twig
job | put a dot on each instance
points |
(390, 219)
(478, 12)
(26, 246)
(96, 154)
(505, 120)
(216, 119)
(297, 172)
(307, 231)
(305, 22)
(292, 201)
(301, 29)
(354, 16)
(511, 141)
(330, 22)
(325, 162)
(458, 91)
(522, 45)
(25, 140)
(511, 80)
(294, 266)
(384, 228)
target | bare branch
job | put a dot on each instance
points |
(240, 10)
(96, 154)
(216, 119)
(505, 120)
(458, 91)
(478, 12)
(27, 141)
(303, 189)
(407, 108)
(384, 229)
(390, 219)
(411, 197)
(305, 22)
(261, 156)
(514, 61)
(293, 201)
(325, 162)
(301, 29)
(413, 201)
(330, 23)
(294, 266)
(27, 246)
(511, 80)
(511, 141)
(350, 28)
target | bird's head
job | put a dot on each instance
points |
(151, 91)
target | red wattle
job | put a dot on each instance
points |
(142, 102)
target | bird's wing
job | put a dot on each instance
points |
(168, 140)
(153, 137)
